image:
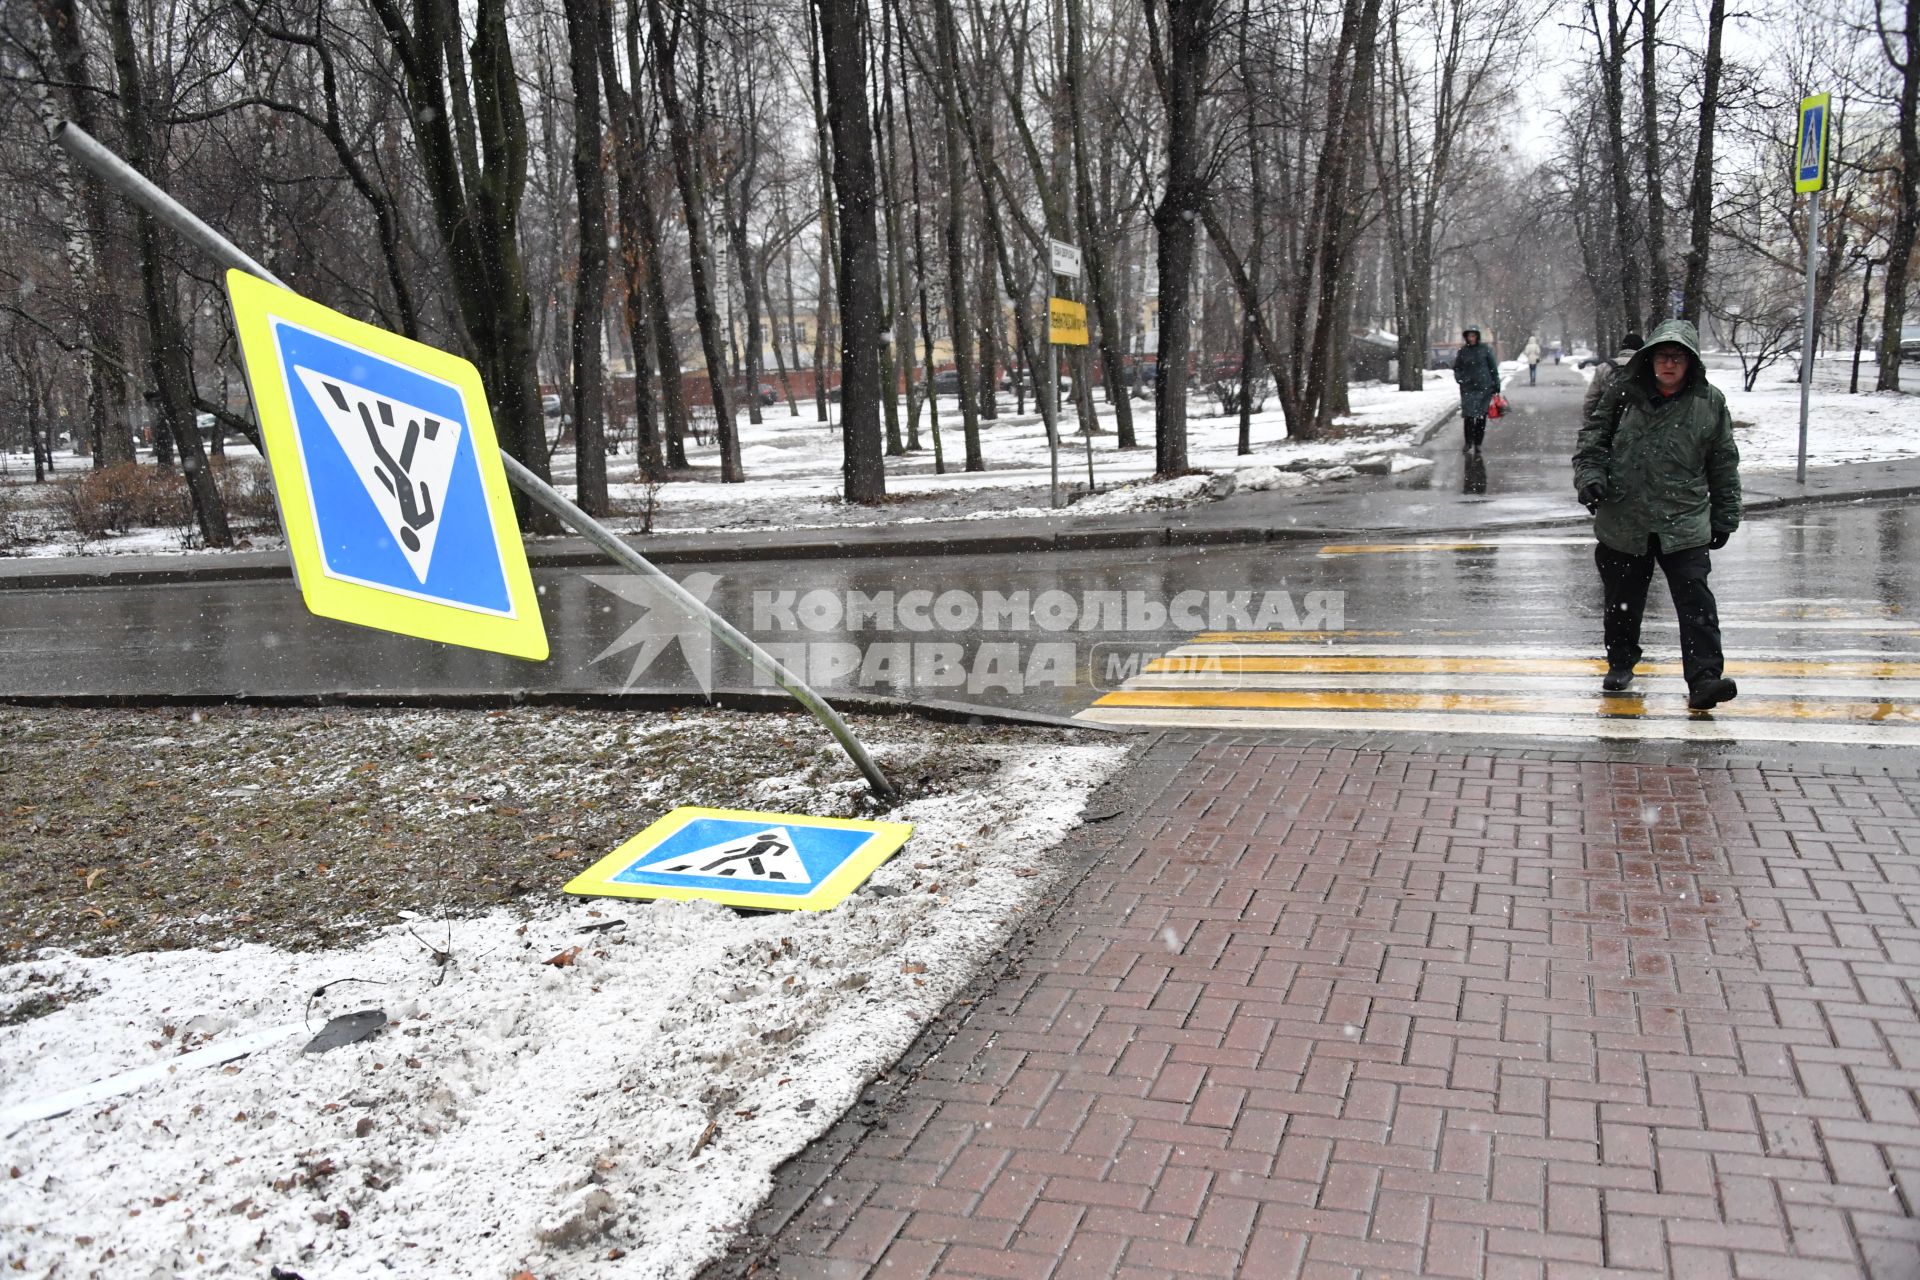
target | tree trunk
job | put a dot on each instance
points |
(1659, 284)
(638, 310)
(1180, 56)
(686, 170)
(168, 353)
(1094, 243)
(96, 273)
(584, 40)
(959, 319)
(1693, 297)
(843, 46)
(476, 183)
(1626, 258)
(901, 380)
(1340, 172)
(1893, 311)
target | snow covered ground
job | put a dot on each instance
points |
(1841, 428)
(564, 1095)
(793, 463)
(793, 468)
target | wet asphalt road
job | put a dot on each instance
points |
(1812, 580)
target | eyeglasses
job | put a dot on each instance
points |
(1669, 357)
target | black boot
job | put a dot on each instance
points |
(1710, 693)
(1617, 679)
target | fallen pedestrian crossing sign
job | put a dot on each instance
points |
(772, 861)
(388, 475)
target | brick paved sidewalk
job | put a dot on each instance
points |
(1331, 1012)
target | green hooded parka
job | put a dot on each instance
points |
(1669, 469)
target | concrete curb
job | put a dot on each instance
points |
(755, 700)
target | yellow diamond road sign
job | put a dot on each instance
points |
(388, 476)
(772, 861)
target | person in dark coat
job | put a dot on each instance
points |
(1606, 371)
(1479, 378)
(1658, 468)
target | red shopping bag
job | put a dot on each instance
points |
(1497, 409)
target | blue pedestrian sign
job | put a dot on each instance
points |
(388, 476)
(1810, 153)
(776, 861)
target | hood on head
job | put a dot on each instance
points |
(1640, 368)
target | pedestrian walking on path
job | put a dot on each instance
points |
(1532, 353)
(1479, 378)
(1605, 372)
(1658, 468)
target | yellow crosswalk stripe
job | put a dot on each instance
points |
(1279, 680)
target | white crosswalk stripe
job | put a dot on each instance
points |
(1251, 680)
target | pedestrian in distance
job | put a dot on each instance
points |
(1532, 353)
(1479, 378)
(1605, 372)
(1658, 468)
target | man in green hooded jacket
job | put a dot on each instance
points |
(1658, 468)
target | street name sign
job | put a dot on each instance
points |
(1066, 323)
(742, 858)
(1810, 155)
(388, 476)
(1066, 258)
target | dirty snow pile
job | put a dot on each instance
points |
(602, 1090)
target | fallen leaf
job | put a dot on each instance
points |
(1025, 873)
(565, 959)
(913, 966)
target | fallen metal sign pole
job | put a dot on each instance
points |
(130, 182)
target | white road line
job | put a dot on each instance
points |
(1517, 682)
(1691, 730)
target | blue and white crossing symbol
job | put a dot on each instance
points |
(1810, 155)
(388, 476)
(778, 861)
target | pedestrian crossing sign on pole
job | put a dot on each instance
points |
(1810, 152)
(388, 475)
(771, 861)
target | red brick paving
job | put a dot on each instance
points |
(1331, 1012)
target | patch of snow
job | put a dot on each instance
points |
(1183, 492)
(514, 1113)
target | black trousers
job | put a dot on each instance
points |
(1624, 579)
(1476, 431)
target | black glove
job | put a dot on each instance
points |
(1592, 493)
(1719, 539)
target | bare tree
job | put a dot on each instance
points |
(1901, 47)
(584, 43)
(843, 48)
(471, 134)
(1181, 33)
(1693, 292)
(168, 352)
(688, 175)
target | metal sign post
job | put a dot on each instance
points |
(123, 177)
(1066, 324)
(1809, 176)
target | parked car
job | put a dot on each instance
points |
(1910, 342)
